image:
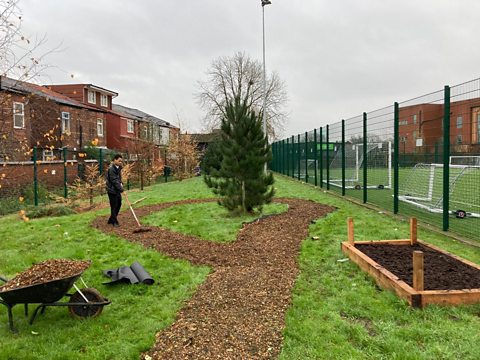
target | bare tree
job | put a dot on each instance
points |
(242, 77)
(183, 155)
(19, 58)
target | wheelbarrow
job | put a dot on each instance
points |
(84, 303)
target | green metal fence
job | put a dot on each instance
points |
(419, 157)
(52, 171)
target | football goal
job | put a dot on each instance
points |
(423, 187)
(378, 163)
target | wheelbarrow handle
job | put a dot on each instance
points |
(3, 279)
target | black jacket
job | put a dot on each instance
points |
(114, 180)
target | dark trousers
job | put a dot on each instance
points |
(115, 205)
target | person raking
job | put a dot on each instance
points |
(115, 188)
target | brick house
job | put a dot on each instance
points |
(130, 130)
(33, 115)
(421, 127)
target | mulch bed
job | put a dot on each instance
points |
(45, 271)
(238, 313)
(441, 272)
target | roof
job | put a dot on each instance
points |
(23, 87)
(207, 137)
(140, 115)
(88, 86)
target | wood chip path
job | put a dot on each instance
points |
(239, 311)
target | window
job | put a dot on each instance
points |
(18, 115)
(47, 155)
(92, 97)
(415, 119)
(164, 136)
(459, 139)
(100, 127)
(459, 122)
(103, 100)
(403, 139)
(156, 134)
(130, 126)
(403, 122)
(65, 122)
(478, 128)
(145, 132)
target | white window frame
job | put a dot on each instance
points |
(103, 100)
(130, 126)
(47, 155)
(18, 114)
(100, 127)
(165, 135)
(459, 122)
(65, 121)
(91, 97)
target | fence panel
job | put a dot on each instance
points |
(420, 157)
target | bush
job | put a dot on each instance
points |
(35, 212)
(9, 205)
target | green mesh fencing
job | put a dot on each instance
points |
(419, 157)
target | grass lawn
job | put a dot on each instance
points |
(464, 194)
(337, 311)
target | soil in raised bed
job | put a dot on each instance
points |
(441, 272)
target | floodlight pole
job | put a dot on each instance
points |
(264, 120)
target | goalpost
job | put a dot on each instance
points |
(378, 163)
(423, 187)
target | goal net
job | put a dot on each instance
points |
(423, 188)
(378, 163)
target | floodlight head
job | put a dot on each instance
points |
(266, 2)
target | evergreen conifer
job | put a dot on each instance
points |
(240, 180)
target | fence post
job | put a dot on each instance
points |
(446, 157)
(35, 176)
(315, 155)
(343, 157)
(165, 166)
(365, 154)
(298, 157)
(396, 115)
(328, 157)
(321, 157)
(65, 189)
(293, 156)
(287, 158)
(283, 156)
(100, 162)
(306, 157)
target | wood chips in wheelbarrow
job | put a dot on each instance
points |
(48, 270)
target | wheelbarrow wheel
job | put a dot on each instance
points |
(84, 311)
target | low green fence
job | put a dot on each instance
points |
(419, 158)
(52, 171)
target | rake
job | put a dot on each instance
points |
(140, 228)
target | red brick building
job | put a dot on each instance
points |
(130, 130)
(33, 115)
(421, 127)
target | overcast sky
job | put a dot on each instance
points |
(337, 58)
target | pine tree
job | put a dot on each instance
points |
(241, 181)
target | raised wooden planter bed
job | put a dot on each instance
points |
(415, 292)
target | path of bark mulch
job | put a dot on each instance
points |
(441, 272)
(238, 313)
